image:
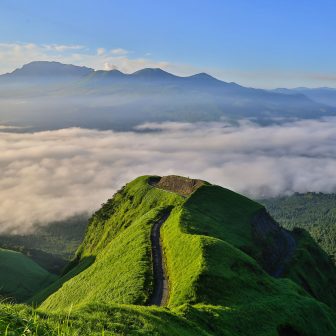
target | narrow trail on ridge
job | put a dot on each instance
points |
(160, 293)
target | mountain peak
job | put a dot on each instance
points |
(205, 79)
(54, 69)
(155, 73)
(203, 75)
(115, 72)
(109, 73)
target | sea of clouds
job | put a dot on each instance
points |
(52, 175)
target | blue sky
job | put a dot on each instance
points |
(256, 43)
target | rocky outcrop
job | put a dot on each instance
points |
(181, 185)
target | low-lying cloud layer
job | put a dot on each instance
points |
(55, 174)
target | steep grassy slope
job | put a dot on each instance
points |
(192, 241)
(121, 250)
(220, 220)
(20, 277)
(217, 285)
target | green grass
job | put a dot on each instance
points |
(186, 320)
(122, 267)
(221, 213)
(120, 273)
(118, 213)
(216, 287)
(204, 270)
(184, 260)
(20, 277)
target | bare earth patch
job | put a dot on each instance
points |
(181, 185)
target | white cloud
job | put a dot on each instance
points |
(100, 51)
(108, 66)
(62, 47)
(55, 174)
(15, 55)
(119, 51)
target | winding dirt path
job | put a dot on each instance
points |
(160, 292)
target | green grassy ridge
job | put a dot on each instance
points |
(208, 267)
(223, 214)
(122, 269)
(207, 270)
(209, 212)
(20, 277)
(184, 260)
(227, 216)
(211, 277)
(120, 273)
(133, 200)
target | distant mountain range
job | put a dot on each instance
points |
(49, 95)
(323, 95)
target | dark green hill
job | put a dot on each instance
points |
(20, 277)
(231, 269)
(51, 245)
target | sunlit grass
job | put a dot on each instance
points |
(215, 287)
